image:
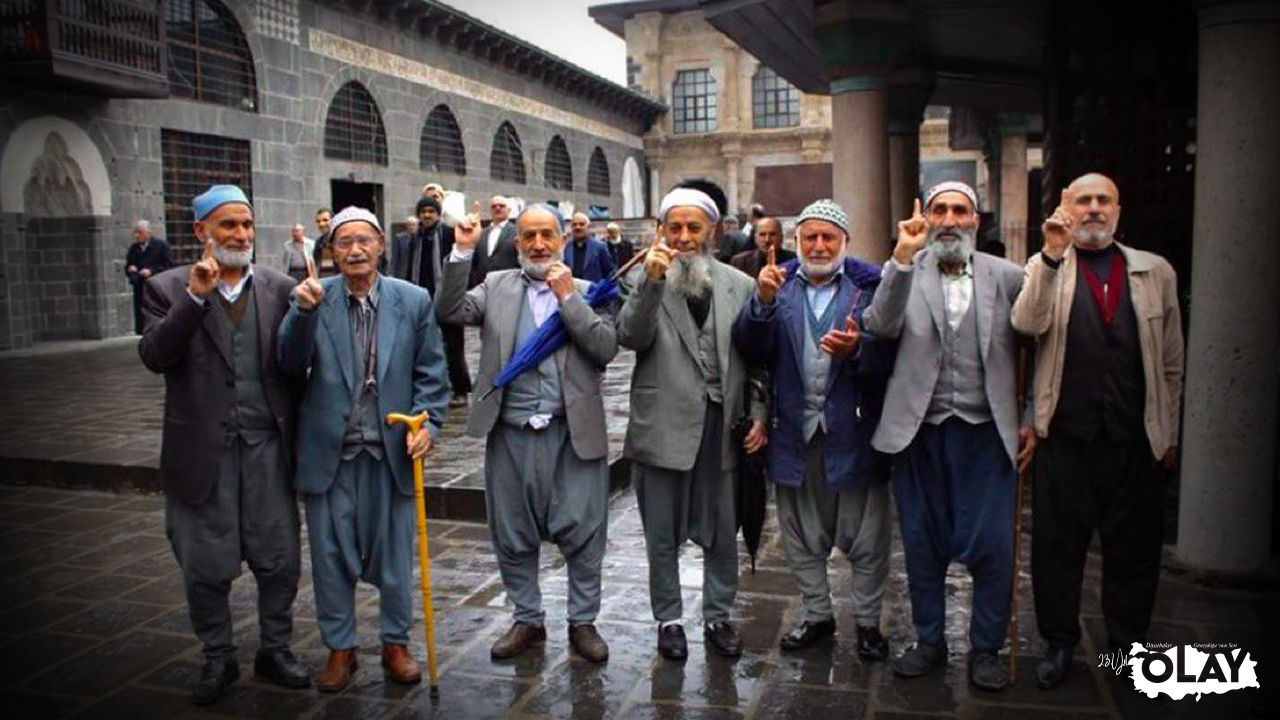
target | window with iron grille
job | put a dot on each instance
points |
(209, 59)
(506, 159)
(353, 129)
(598, 173)
(558, 168)
(191, 162)
(441, 149)
(775, 102)
(693, 102)
(633, 75)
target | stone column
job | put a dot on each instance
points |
(1229, 439)
(860, 165)
(731, 151)
(908, 94)
(1013, 188)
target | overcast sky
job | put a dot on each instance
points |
(561, 27)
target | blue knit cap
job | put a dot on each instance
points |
(217, 196)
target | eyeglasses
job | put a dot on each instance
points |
(362, 240)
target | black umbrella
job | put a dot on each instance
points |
(751, 492)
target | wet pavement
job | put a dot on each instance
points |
(93, 624)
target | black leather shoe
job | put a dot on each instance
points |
(871, 644)
(282, 668)
(804, 634)
(987, 672)
(215, 676)
(671, 642)
(1052, 669)
(920, 659)
(722, 638)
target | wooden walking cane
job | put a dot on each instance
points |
(415, 422)
(1019, 393)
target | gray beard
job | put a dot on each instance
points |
(1091, 238)
(538, 271)
(952, 252)
(232, 258)
(690, 276)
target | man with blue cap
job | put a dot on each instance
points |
(687, 391)
(545, 461)
(225, 457)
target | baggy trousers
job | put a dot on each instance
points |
(251, 515)
(696, 505)
(813, 519)
(954, 486)
(536, 490)
(362, 528)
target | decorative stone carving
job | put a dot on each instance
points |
(56, 187)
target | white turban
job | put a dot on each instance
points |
(688, 197)
(951, 186)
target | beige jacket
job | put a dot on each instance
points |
(1044, 306)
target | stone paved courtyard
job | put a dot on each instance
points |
(93, 624)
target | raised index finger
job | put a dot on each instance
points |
(915, 208)
(208, 249)
(773, 256)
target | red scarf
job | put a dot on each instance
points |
(1105, 297)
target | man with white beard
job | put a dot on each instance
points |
(686, 392)
(227, 449)
(545, 469)
(1108, 387)
(950, 421)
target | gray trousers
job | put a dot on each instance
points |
(362, 528)
(698, 505)
(537, 489)
(252, 516)
(814, 519)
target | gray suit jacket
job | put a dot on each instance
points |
(665, 428)
(909, 306)
(494, 305)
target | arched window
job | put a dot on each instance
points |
(441, 150)
(558, 168)
(598, 174)
(209, 59)
(506, 159)
(353, 129)
(775, 102)
(693, 102)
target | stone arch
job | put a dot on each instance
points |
(28, 146)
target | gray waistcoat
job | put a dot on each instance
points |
(364, 425)
(960, 390)
(536, 392)
(251, 416)
(817, 369)
(709, 356)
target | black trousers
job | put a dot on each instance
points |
(1116, 488)
(137, 309)
(455, 355)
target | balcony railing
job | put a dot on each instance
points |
(106, 47)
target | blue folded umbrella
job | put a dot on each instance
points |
(551, 335)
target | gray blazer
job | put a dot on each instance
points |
(909, 306)
(665, 428)
(494, 306)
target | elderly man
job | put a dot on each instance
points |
(587, 257)
(147, 256)
(768, 238)
(419, 257)
(754, 216)
(496, 249)
(367, 345)
(296, 261)
(545, 470)
(827, 390)
(732, 240)
(1108, 386)
(686, 393)
(433, 190)
(620, 248)
(321, 253)
(951, 422)
(225, 457)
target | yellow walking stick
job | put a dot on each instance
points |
(414, 422)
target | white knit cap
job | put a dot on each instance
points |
(353, 214)
(951, 186)
(828, 210)
(688, 197)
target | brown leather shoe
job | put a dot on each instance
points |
(399, 665)
(336, 674)
(587, 641)
(516, 640)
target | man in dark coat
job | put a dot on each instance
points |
(587, 257)
(768, 235)
(497, 247)
(147, 256)
(229, 421)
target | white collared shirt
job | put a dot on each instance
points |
(957, 291)
(229, 292)
(495, 231)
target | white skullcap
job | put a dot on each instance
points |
(688, 197)
(951, 186)
(828, 210)
(353, 214)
